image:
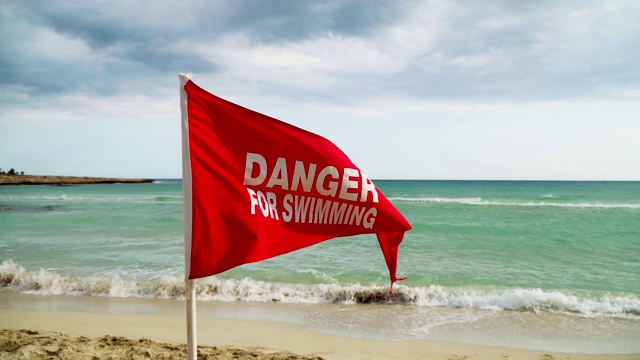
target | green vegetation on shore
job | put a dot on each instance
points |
(11, 172)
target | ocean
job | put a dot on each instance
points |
(530, 264)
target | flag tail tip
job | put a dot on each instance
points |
(393, 281)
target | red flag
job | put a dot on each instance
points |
(256, 187)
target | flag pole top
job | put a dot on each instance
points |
(184, 77)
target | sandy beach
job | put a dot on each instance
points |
(66, 327)
(28, 344)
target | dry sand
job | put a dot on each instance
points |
(109, 336)
(28, 344)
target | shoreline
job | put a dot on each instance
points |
(6, 180)
(246, 328)
(262, 337)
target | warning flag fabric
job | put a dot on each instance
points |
(257, 187)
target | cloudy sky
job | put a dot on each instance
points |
(408, 89)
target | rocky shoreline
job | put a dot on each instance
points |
(65, 180)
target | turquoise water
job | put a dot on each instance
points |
(558, 251)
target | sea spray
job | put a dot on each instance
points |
(16, 278)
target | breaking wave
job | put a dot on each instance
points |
(14, 277)
(480, 201)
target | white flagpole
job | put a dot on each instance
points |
(190, 286)
(192, 331)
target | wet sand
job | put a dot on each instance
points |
(53, 327)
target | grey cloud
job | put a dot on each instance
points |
(153, 39)
(291, 20)
(120, 48)
(166, 57)
(540, 52)
(506, 50)
(106, 23)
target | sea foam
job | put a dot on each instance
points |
(480, 201)
(14, 277)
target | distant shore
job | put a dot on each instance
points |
(64, 180)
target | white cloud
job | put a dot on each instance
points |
(47, 45)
